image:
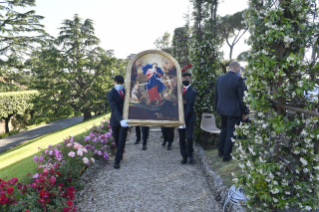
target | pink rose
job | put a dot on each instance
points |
(69, 145)
(85, 150)
(85, 160)
(71, 154)
(80, 152)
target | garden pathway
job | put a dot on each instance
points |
(148, 181)
(21, 137)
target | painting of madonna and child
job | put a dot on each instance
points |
(155, 90)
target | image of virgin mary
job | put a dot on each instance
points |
(154, 85)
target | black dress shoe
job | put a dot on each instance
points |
(169, 147)
(228, 159)
(220, 154)
(164, 143)
(144, 147)
(191, 160)
(137, 141)
(184, 161)
(117, 165)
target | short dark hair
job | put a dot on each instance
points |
(119, 79)
(186, 74)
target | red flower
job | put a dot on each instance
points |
(58, 173)
(61, 184)
(10, 190)
(27, 210)
(3, 199)
(69, 203)
(70, 179)
(44, 194)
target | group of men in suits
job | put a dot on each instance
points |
(119, 126)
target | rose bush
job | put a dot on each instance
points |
(52, 187)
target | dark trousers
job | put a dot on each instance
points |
(119, 135)
(225, 144)
(186, 140)
(145, 132)
(168, 134)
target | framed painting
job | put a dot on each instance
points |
(153, 82)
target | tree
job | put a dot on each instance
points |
(163, 43)
(14, 28)
(279, 156)
(180, 47)
(72, 72)
(232, 26)
(13, 103)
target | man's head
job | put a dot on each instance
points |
(186, 78)
(234, 66)
(118, 80)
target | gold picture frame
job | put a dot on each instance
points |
(153, 67)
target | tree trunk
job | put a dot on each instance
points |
(87, 114)
(31, 114)
(231, 52)
(313, 56)
(7, 120)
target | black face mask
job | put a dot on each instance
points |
(185, 82)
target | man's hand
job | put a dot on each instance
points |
(245, 117)
(182, 127)
(124, 123)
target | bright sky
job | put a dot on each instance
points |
(128, 26)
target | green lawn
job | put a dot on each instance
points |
(223, 169)
(17, 162)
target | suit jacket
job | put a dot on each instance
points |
(116, 103)
(189, 101)
(229, 93)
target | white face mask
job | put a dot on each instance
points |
(118, 87)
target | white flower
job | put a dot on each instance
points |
(304, 161)
(275, 191)
(297, 187)
(287, 192)
(235, 180)
(85, 160)
(92, 160)
(308, 208)
(305, 170)
(275, 200)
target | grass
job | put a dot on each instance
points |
(223, 169)
(17, 162)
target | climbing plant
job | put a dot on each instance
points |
(279, 158)
(203, 52)
(180, 45)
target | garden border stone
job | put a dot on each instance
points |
(214, 181)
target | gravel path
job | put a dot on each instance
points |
(21, 137)
(148, 181)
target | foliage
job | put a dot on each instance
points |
(72, 73)
(12, 132)
(180, 45)
(12, 103)
(53, 186)
(163, 42)
(15, 27)
(6, 87)
(280, 155)
(204, 55)
(232, 26)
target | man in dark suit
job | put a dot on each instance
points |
(229, 93)
(119, 126)
(145, 132)
(168, 135)
(186, 131)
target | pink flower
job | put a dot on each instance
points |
(71, 140)
(85, 150)
(100, 153)
(49, 146)
(113, 143)
(109, 126)
(85, 160)
(95, 151)
(46, 151)
(93, 148)
(40, 167)
(36, 175)
(80, 152)
(35, 159)
(69, 145)
(94, 140)
(41, 159)
(51, 152)
(45, 170)
(71, 154)
(102, 125)
(77, 145)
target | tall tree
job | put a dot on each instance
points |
(74, 67)
(164, 42)
(232, 26)
(180, 47)
(14, 30)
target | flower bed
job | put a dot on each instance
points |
(53, 185)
